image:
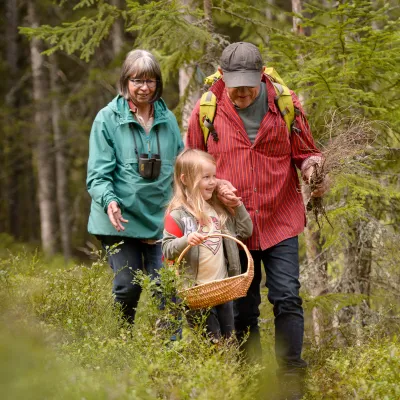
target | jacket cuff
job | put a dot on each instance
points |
(108, 199)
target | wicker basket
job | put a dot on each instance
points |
(220, 291)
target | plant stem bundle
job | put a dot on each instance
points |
(348, 149)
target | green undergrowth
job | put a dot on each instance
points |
(367, 371)
(62, 338)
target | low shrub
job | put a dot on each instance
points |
(68, 316)
(62, 337)
(368, 372)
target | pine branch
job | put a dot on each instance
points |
(84, 35)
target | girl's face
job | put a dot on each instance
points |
(208, 180)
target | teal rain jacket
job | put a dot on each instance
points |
(113, 169)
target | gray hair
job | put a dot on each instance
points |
(140, 64)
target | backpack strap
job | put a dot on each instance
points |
(208, 106)
(283, 98)
(284, 102)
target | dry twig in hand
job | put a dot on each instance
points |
(349, 143)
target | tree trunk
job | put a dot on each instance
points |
(297, 7)
(11, 199)
(12, 47)
(207, 5)
(117, 32)
(316, 279)
(191, 95)
(43, 148)
(356, 276)
(268, 11)
(186, 89)
(211, 50)
(61, 162)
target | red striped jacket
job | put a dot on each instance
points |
(263, 172)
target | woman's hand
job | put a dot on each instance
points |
(195, 238)
(115, 216)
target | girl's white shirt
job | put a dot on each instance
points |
(211, 253)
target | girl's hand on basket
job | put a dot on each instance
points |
(195, 238)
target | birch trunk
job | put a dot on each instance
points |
(297, 8)
(43, 145)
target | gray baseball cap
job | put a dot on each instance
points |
(241, 64)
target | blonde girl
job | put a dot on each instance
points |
(195, 212)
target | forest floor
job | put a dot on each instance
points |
(61, 338)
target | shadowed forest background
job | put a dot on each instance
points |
(60, 337)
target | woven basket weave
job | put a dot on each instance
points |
(220, 291)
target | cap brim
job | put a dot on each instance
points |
(242, 78)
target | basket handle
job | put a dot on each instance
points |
(250, 264)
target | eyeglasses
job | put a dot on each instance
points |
(151, 84)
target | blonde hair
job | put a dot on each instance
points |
(188, 194)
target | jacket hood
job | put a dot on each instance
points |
(120, 106)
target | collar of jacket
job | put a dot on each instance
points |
(120, 106)
(218, 88)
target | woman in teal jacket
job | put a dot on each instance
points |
(133, 145)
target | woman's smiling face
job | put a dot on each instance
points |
(143, 94)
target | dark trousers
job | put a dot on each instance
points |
(281, 265)
(131, 256)
(219, 320)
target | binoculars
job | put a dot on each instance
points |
(149, 168)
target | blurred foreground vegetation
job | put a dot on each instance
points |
(61, 338)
